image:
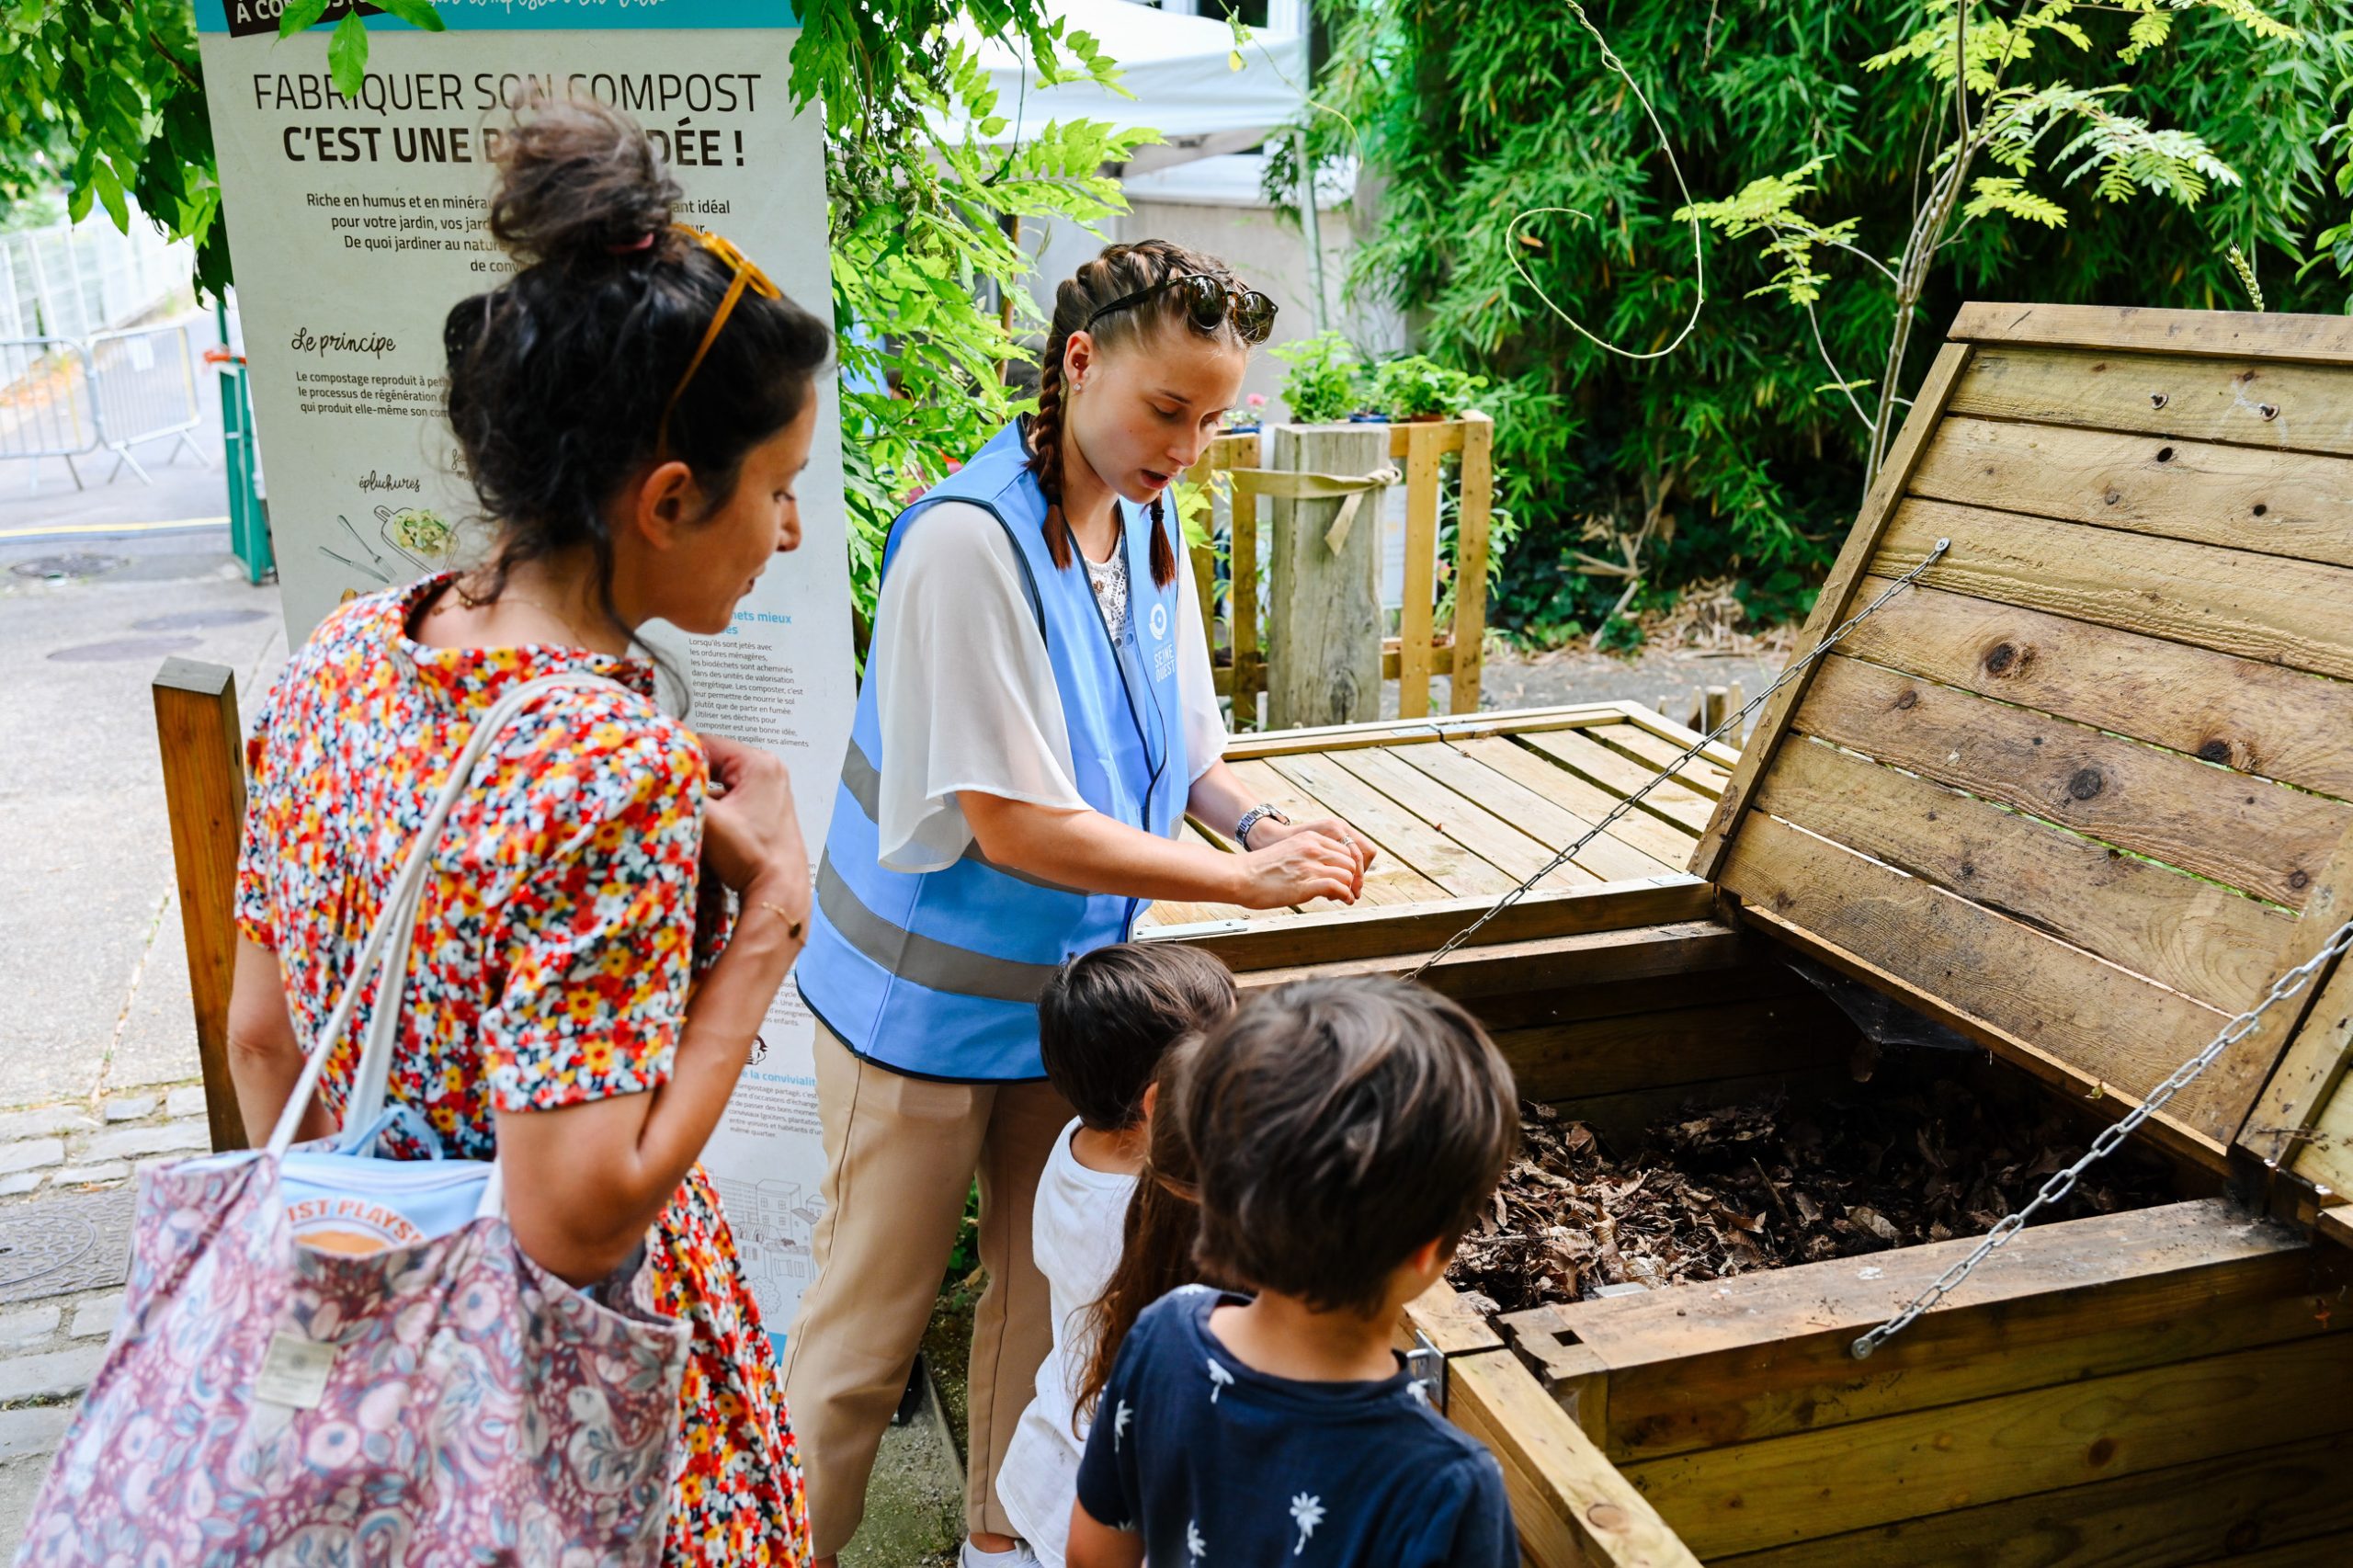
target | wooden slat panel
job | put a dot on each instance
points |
(2199, 399)
(1542, 820)
(1465, 822)
(1678, 1046)
(1706, 778)
(1832, 605)
(2186, 933)
(1670, 842)
(2182, 1514)
(2321, 340)
(2246, 832)
(1397, 831)
(1414, 621)
(1622, 775)
(2103, 1023)
(1573, 1510)
(2290, 503)
(1471, 530)
(1764, 1355)
(1390, 881)
(1758, 1494)
(2257, 718)
(2286, 612)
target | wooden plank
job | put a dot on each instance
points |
(1756, 974)
(1471, 520)
(1390, 881)
(2316, 1551)
(1324, 614)
(1751, 1495)
(1414, 621)
(2290, 503)
(1242, 603)
(1397, 830)
(204, 794)
(1669, 842)
(1621, 774)
(2150, 395)
(1631, 1115)
(2210, 1510)
(1764, 1355)
(1390, 941)
(1572, 1507)
(1542, 819)
(2312, 339)
(1335, 737)
(1439, 1315)
(1837, 600)
(1704, 777)
(2286, 612)
(1676, 1046)
(2246, 832)
(1450, 435)
(1463, 820)
(2305, 1062)
(2304, 1117)
(2191, 935)
(1725, 756)
(1964, 962)
(2217, 707)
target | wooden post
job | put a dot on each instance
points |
(1424, 446)
(1712, 710)
(1324, 620)
(1471, 544)
(204, 790)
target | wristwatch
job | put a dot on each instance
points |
(1252, 818)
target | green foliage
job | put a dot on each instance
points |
(1322, 383)
(101, 98)
(1415, 386)
(1475, 112)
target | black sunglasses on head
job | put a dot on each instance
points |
(1208, 301)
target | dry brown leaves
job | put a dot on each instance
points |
(1763, 1184)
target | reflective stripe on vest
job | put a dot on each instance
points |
(939, 973)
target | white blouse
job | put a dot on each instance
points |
(967, 698)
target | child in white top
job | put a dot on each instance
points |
(1104, 1024)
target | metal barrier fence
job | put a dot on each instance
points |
(61, 398)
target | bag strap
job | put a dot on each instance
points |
(385, 955)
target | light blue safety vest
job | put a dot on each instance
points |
(937, 973)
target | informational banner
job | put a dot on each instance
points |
(355, 224)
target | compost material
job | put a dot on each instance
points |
(1722, 1190)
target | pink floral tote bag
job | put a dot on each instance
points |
(329, 1358)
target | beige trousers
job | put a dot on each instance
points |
(900, 1156)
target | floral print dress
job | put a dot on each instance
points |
(555, 945)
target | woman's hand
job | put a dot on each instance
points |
(751, 834)
(1296, 862)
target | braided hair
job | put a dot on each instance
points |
(1120, 270)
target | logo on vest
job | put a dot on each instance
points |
(1159, 623)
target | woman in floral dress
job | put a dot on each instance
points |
(634, 406)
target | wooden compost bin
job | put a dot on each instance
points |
(2081, 795)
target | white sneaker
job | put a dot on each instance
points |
(1019, 1557)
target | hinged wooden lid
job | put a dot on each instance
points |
(2083, 791)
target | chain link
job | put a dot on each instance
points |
(2064, 1183)
(1796, 667)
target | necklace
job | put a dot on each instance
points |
(458, 587)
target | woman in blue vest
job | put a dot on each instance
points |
(1037, 721)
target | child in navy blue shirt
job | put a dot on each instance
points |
(1347, 1134)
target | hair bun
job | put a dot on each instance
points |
(579, 182)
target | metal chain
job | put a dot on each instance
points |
(1796, 667)
(2059, 1186)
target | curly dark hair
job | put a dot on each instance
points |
(557, 378)
(1120, 270)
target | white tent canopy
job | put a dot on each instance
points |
(1180, 69)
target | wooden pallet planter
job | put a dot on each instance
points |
(2081, 795)
(1423, 649)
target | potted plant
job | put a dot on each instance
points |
(1417, 388)
(1243, 420)
(1322, 388)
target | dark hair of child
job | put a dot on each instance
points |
(1156, 1241)
(558, 377)
(1107, 1015)
(1337, 1125)
(1120, 271)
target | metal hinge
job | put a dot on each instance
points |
(1425, 1365)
